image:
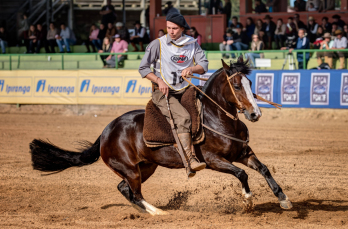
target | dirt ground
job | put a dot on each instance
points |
(305, 149)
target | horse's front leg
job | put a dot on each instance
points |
(220, 164)
(251, 161)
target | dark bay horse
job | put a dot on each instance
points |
(123, 150)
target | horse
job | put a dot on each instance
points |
(123, 150)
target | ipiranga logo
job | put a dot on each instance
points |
(100, 87)
(10, 86)
(55, 86)
(41, 84)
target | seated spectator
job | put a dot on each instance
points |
(106, 47)
(140, 37)
(334, 27)
(260, 7)
(299, 5)
(345, 31)
(119, 46)
(312, 29)
(250, 28)
(299, 24)
(338, 21)
(234, 23)
(319, 37)
(239, 41)
(66, 37)
(326, 25)
(101, 35)
(302, 43)
(51, 37)
(110, 31)
(290, 33)
(340, 42)
(161, 33)
(256, 45)
(196, 35)
(270, 27)
(108, 13)
(123, 31)
(226, 44)
(259, 29)
(32, 39)
(41, 39)
(326, 5)
(93, 39)
(312, 5)
(279, 34)
(3, 39)
(326, 44)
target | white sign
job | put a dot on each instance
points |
(344, 89)
(264, 86)
(262, 62)
(290, 88)
(320, 85)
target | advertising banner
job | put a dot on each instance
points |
(290, 88)
(320, 83)
(344, 90)
(264, 86)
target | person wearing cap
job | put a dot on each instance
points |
(340, 42)
(173, 56)
(326, 44)
(270, 27)
(123, 31)
(312, 29)
(140, 37)
(119, 46)
(337, 19)
(302, 43)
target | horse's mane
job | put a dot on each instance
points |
(242, 67)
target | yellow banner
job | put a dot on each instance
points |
(118, 87)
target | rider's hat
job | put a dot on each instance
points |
(178, 19)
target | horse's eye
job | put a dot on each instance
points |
(236, 87)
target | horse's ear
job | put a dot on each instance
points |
(224, 65)
(240, 59)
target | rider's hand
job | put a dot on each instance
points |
(163, 87)
(186, 71)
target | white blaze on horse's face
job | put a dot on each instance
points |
(256, 110)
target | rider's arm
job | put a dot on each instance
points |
(201, 61)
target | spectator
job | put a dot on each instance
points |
(279, 34)
(259, 27)
(326, 25)
(101, 34)
(194, 33)
(326, 5)
(41, 39)
(340, 42)
(66, 37)
(250, 28)
(51, 37)
(161, 33)
(291, 31)
(302, 43)
(140, 37)
(260, 7)
(123, 31)
(24, 26)
(106, 47)
(299, 5)
(338, 21)
(108, 14)
(215, 7)
(345, 31)
(228, 11)
(93, 39)
(3, 39)
(312, 5)
(312, 29)
(110, 31)
(298, 23)
(169, 8)
(256, 45)
(319, 37)
(273, 5)
(239, 41)
(334, 27)
(327, 43)
(227, 42)
(234, 22)
(32, 39)
(270, 27)
(119, 46)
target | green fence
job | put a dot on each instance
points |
(70, 61)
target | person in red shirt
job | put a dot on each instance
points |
(119, 46)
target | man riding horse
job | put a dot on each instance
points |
(175, 55)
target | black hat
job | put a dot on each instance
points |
(137, 22)
(177, 19)
(336, 16)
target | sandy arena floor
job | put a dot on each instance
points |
(306, 151)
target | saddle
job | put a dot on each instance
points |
(157, 131)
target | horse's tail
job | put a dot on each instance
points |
(47, 157)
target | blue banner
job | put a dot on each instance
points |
(300, 88)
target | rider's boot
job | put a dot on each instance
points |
(186, 142)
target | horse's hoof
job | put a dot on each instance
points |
(248, 204)
(285, 204)
(160, 212)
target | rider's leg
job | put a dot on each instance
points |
(186, 142)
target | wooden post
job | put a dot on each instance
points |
(155, 10)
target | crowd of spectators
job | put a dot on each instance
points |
(294, 34)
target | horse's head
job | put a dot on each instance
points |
(237, 89)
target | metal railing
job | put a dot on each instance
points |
(207, 53)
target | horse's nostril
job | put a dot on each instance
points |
(253, 115)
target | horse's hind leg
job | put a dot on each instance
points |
(251, 161)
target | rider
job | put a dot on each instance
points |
(174, 55)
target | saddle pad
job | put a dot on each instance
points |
(157, 131)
